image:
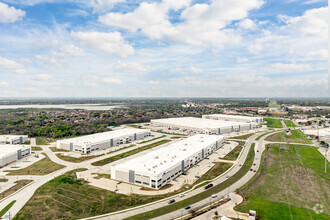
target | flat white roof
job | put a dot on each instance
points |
(10, 137)
(233, 116)
(201, 123)
(162, 159)
(104, 136)
(6, 149)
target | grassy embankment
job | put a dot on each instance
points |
(273, 123)
(296, 136)
(290, 182)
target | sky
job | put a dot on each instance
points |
(167, 48)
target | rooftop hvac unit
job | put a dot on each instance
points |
(149, 169)
(185, 144)
(156, 157)
(184, 149)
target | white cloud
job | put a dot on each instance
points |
(47, 60)
(69, 50)
(195, 70)
(101, 6)
(153, 82)
(186, 81)
(241, 60)
(130, 67)
(4, 84)
(318, 55)
(9, 64)
(10, 14)
(247, 24)
(313, 22)
(21, 71)
(202, 23)
(291, 66)
(112, 42)
(40, 77)
(112, 81)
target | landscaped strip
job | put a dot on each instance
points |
(296, 136)
(143, 142)
(242, 137)
(36, 149)
(206, 194)
(42, 167)
(128, 153)
(19, 184)
(5, 209)
(233, 155)
(289, 123)
(260, 136)
(273, 123)
(75, 159)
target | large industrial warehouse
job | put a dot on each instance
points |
(11, 153)
(13, 139)
(99, 141)
(156, 168)
(237, 118)
(202, 125)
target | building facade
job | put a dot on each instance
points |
(156, 168)
(13, 139)
(11, 153)
(237, 118)
(100, 141)
(202, 125)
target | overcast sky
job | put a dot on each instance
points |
(168, 48)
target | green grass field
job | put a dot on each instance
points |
(215, 171)
(42, 167)
(233, 155)
(295, 137)
(242, 137)
(273, 123)
(128, 153)
(290, 182)
(215, 189)
(75, 159)
(289, 123)
(36, 149)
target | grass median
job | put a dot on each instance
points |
(206, 194)
(233, 155)
(296, 136)
(128, 153)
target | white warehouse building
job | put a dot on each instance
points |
(13, 139)
(99, 141)
(237, 118)
(202, 125)
(156, 168)
(11, 153)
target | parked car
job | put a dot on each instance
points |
(187, 207)
(171, 201)
(214, 195)
(181, 195)
(208, 186)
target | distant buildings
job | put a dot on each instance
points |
(156, 168)
(11, 153)
(237, 118)
(202, 125)
(13, 139)
(99, 141)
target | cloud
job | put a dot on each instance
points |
(9, 64)
(47, 60)
(247, 24)
(69, 50)
(10, 14)
(318, 55)
(112, 81)
(201, 23)
(313, 22)
(186, 81)
(4, 84)
(112, 42)
(21, 71)
(130, 67)
(40, 77)
(291, 66)
(101, 6)
(153, 82)
(195, 70)
(241, 60)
